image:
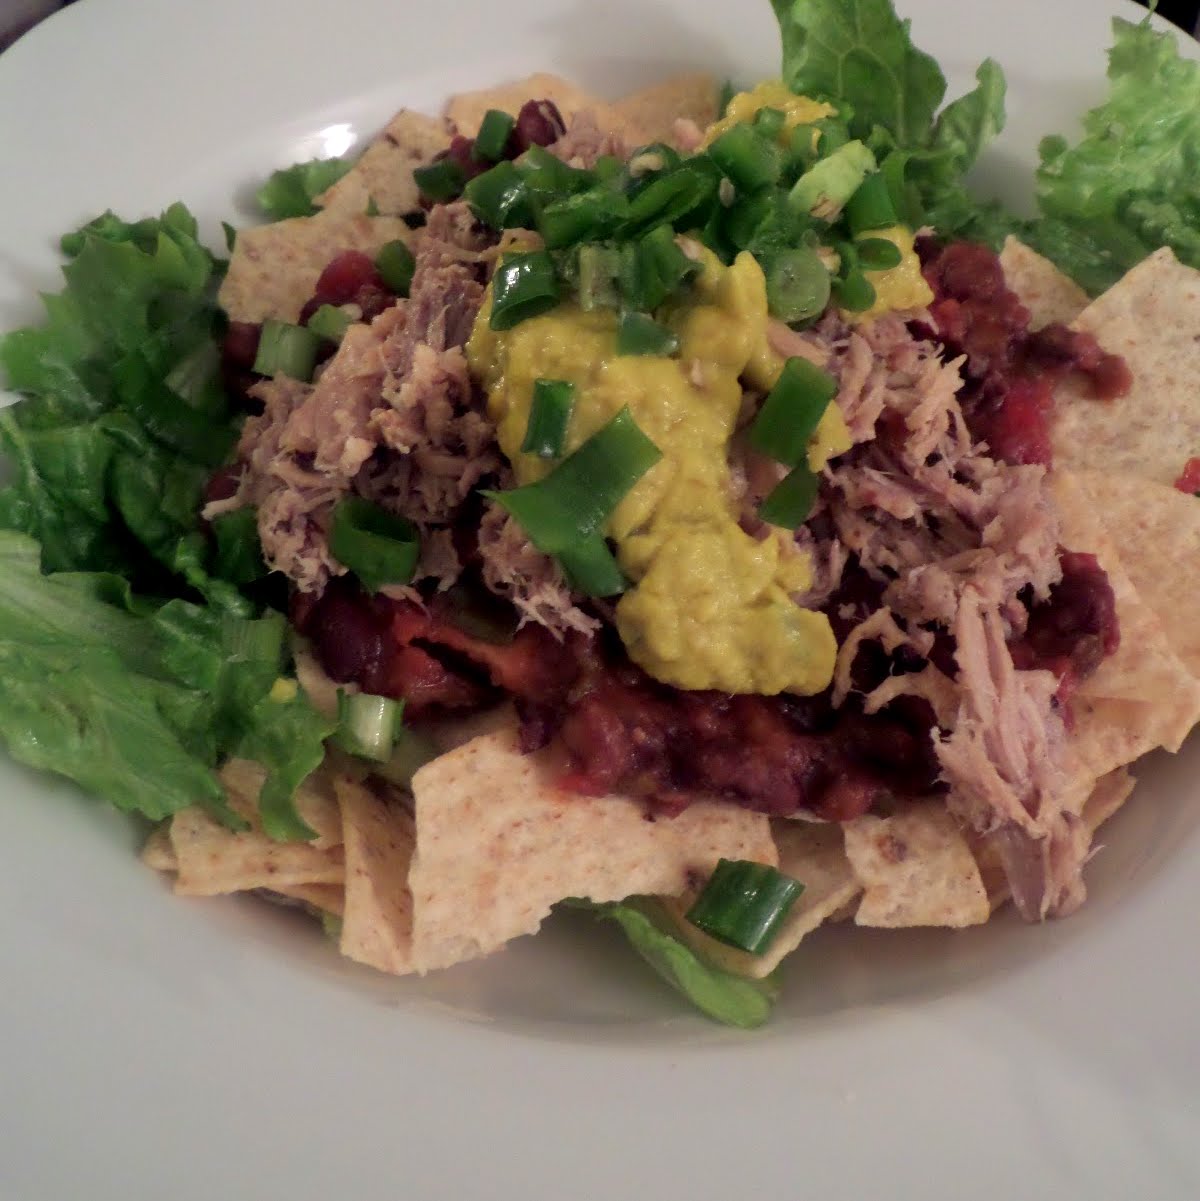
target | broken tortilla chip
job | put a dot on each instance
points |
(654, 110)
(1042, 288)
(813, 853)
(378, 918)
(465, 112)
(273, 270)
(1144, 690)
(916, 869)
(1158, 530)
(157, 851)
(214, 860)
(499, 843)
(1152, 318)
(383, 174)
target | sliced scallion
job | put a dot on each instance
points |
(878, 254)
(584, 217)
(598, 270)
(769, 122)
(500, 198)
(440, 181)
(652, 268)
(792, 411)
(286, 349)
(640, 334)
(395, 263)
(492, 138)
(367, 725)
(749, 159)
(576, 498)
(549, 416)
(798, 285)
(591, 569)
(330, 322)
(791, 500)
(379, 547)
(744, 904)
(854, 293)
(871, 206)
(525, 284)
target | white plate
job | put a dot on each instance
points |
(160, 1048)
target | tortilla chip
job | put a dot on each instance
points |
(811, 852)
(274, 268)
(498, 843)
(1043, 289)
(326, 898)
(377, 922)
(917, 870)
(1143, 696)
(314, 800)
(214, 860)
(1152, 318)
(1158, 531)
(158, 852)
(654, 110)
(465, 111)
(384, 173)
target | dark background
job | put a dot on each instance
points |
(1185, 13)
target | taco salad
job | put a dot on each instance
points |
(697, 508)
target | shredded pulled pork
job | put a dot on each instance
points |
(392, 416)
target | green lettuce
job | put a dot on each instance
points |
(1128, 186)
(722, 996)
(291, 191)
(139, 701)
(859, 55)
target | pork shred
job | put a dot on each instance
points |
(392, 416)
(952, 592)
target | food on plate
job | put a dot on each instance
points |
(702, 513)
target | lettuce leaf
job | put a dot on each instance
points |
(722, 996)
(1128, 186)
(859, 55)
(291, 191)
(139, 701)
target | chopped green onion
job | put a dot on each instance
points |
(878, 254)
(792, 411)
(607, 168)
(524, 285)
(492, 138)
(834, 135)
(639, 333)
(769, 122)
(440, 181)
(367, 725)
(673, 194)
(802, 146)
(379, 547)
(285, 349)
(576, 498)
(549, 416)
(330, 322)
(652, 268)
(749, 159)
(598, 270)
(500, 197)
(905, 198)
(871, 206)
(854, 293)
(725, 95)
(791, 500)
(591, 569)
(238, 553)
(798, 285)
(744, 904)
(395, 263)
(550, 177)
(586, 216)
